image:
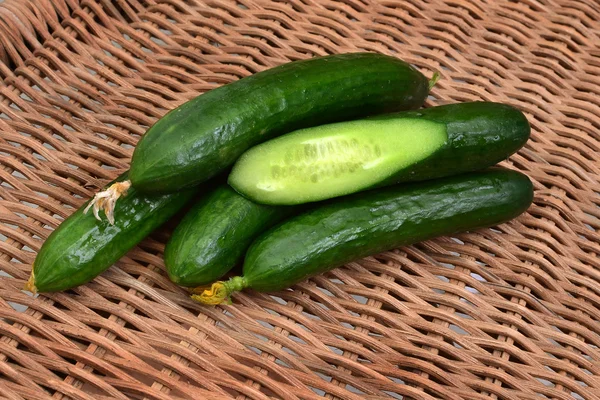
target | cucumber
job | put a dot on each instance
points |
(338, 159)
(215, 234)
(205, 135)
(82, 247)
(348, 228)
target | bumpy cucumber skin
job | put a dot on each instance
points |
(205, 135)
(215, 234)
(356, 226)
(480, 134)
(82, 247)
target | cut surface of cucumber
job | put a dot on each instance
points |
(333, 160)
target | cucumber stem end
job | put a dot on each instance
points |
(107, 199)
(30, 285)
(434, 79)
(220, 291)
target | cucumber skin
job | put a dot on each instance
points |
(212, 130)
(82, 247)
(214, 235)
(480, 135)
(368, 223)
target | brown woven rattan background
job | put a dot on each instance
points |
(510, 312)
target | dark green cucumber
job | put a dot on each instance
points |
(205, 135)
(352, 227)
(215, 234)
(82, 247)
(338, 159)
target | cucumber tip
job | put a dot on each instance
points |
(107, 199)
(30, 285)
(219, 292)
(434, 79)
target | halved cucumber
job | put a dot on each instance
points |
(334, 160)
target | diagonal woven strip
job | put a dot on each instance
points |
(503, 313)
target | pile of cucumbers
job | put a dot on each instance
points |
(294, 171)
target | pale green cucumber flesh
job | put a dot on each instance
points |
(333, 160)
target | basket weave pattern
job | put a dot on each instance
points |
(502, 313)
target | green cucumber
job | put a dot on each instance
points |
(338, 159)
(82, 246)
(205, 135)
(363, 224)
(215, 234)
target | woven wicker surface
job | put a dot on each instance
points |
(509, 312)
